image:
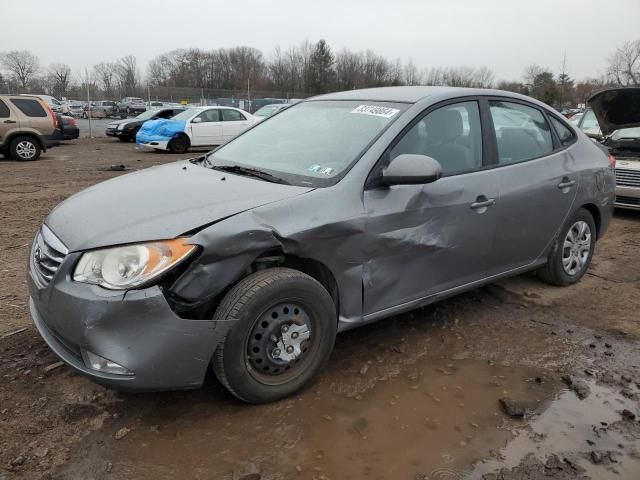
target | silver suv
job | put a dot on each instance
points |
(131, 106)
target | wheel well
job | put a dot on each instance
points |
(23, 134)
(595, 213)
(313, 268)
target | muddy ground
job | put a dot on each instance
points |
(414, 397)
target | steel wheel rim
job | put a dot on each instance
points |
(266, 338)
(576, 248)
(26, 150)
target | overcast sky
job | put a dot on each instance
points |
(504, 35)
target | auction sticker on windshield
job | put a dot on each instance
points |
(375, 110)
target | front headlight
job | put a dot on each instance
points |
(121, 268)
(121, 126)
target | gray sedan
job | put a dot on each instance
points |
(339, 211)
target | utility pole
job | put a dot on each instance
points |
(86, 75)
(248, 95)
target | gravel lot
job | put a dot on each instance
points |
(413, 397)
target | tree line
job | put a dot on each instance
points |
(298, 71)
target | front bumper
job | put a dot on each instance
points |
(136, 329)
(628, 197)
(114, 132)
(155, 144)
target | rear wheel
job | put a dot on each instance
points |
(571, 254)
(179, 144)
(282, 336)
(25, 149)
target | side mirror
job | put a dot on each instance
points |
(196, 120)
(410, 169)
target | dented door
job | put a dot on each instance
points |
(425, 239)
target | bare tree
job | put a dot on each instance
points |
(127, 75)
(59, 78)
(411, 75)
(624, 64)
(22, 65)
(105, 74)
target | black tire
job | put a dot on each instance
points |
(251, 301)
(554, 272)
(25, 149)
(123, 138)
(179, 144)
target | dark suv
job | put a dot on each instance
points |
(27, 127)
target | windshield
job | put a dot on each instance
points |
(186, 115)
(312, 143)
(589, 120)
(266, 111)
(147, 114)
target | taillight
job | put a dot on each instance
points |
(53, 115)
(72, 121)
(612, 161)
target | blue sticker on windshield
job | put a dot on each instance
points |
(315, 168)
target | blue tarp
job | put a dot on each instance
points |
(159, 130)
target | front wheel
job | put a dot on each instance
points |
(179, 144)
(284, 328)
(572, 252)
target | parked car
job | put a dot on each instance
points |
(70, 130)
(195, 127)
(269, 110)
(75, 109)
(93, 112)
(130, 106)
(28, 126)
(108, 107)
(337, 212)
(126, 130)
(588, 123)
(618, 120)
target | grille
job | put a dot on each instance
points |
(627, 177)
(628, 200)
(47, 254)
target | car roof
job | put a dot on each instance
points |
(413, 94)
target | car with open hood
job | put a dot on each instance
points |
(195, 127)
(339, 211)
(617, 112)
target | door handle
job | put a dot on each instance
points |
(566, 183)
(483, 202)
(10, 121)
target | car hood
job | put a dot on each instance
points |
(120, 122)
(616, 108)
(162, 127)
(158, 203)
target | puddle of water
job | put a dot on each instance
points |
(564, 428)
(433, 416)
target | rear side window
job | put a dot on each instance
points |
(565, 134)
(4, 110)
(232, 116)
(30, 107)
(522, 133)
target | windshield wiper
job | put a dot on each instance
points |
(250, 172)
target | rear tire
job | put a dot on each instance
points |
(25, 149)
(572, 251)
(263, 307)
(179, 144)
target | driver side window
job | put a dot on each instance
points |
(210, 116)
(451, 135)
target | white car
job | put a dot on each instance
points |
(195, 127)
